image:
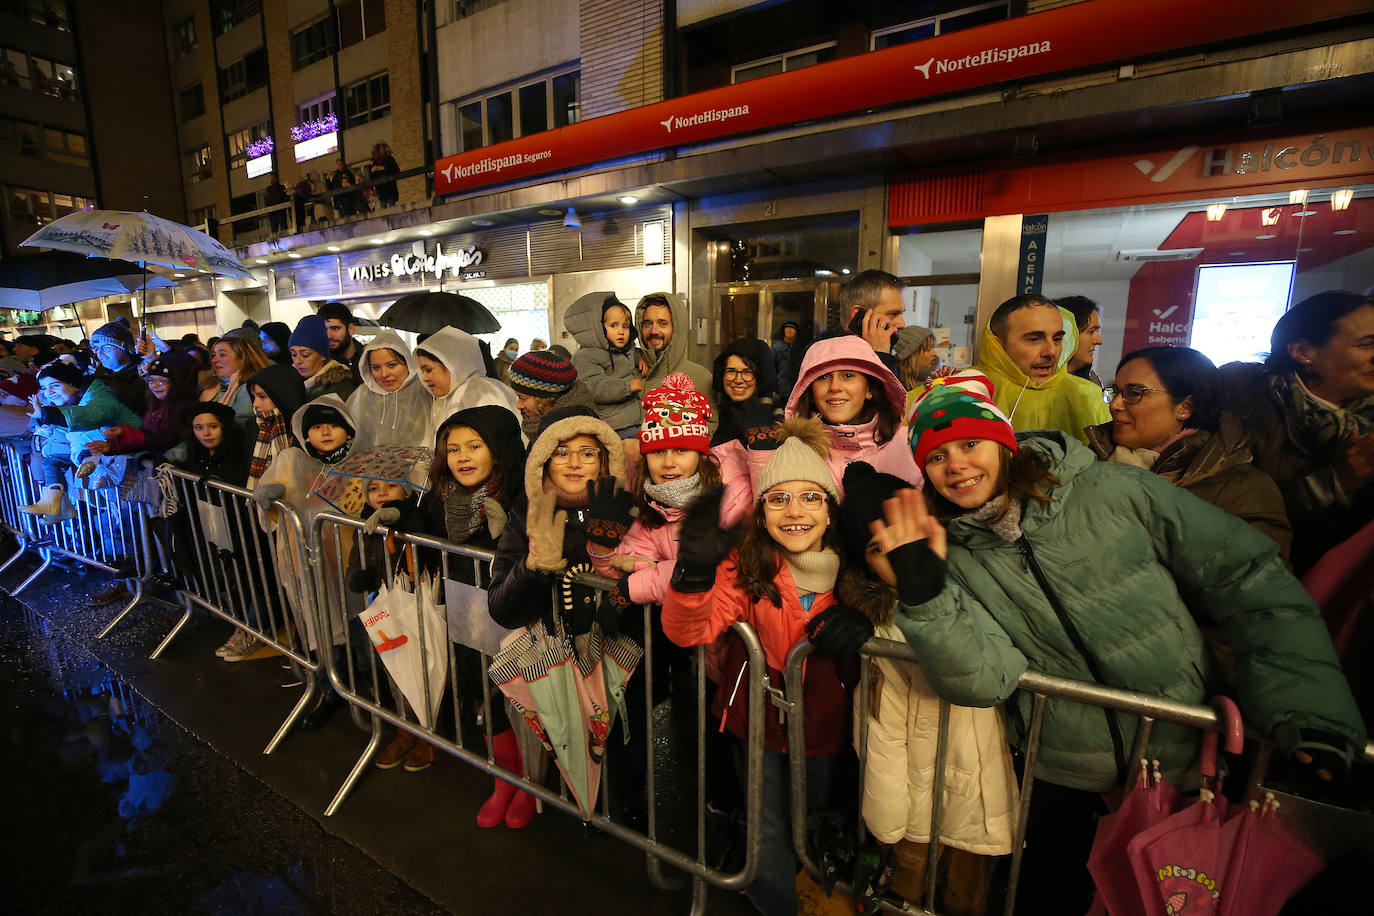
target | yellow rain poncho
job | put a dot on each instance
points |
(1063, 401)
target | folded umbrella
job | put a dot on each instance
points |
(1152, 800)
(1268, 863)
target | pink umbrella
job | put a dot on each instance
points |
(1180, 862)
(1152, 800)
(1268, 863)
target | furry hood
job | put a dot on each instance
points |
(867, 594)
(561, 425)
(332, 373)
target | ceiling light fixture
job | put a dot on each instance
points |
(1266, 236)
(376, 241)
(426, 231)
(571, 220)
(1340, 200)
(262, 260)
(549, 211)
(1344, 232)
(334, 248)
(482, 222)
(293, 256)
(178, 275)
(1215, 212)
(628, 199)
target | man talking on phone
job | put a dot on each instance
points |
(872, 305)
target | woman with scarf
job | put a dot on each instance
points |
(234, 358)
(1309, 412)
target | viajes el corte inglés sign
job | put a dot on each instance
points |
(1079, 35)
(459, 262)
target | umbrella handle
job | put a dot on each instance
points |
(1233, 729)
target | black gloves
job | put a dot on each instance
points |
(363, 580)
(920, 573)
(613, 603)
(608, 512)
(838, 631)
(701, 544)
(758, 426)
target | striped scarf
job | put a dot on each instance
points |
(273, 439)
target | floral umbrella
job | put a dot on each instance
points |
(137, 237)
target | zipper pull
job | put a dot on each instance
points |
(1024, 548)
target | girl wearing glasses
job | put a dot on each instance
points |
(780, 580)
(1167, 418)
(861, 403)
(1025, 553)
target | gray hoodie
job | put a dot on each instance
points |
(606, 373)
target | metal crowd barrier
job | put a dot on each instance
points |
(228, 567)
(364, 692)
(107, 532)
(1042, 687)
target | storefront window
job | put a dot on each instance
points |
(522, 309)
(1211, 274)
(939, 269)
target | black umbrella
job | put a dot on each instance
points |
(425, 313)
(42, 281)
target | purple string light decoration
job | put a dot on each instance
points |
(260, 148)
(308, 130)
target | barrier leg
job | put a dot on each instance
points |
(17, 554)
(374, 743)
(134, 599)
(312, 693)
(47, 561)
(172, 633)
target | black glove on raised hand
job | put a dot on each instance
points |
(701, 544)
(614, 602)
(838, 631)
(608, 512)
(757, 424)
(920, 573)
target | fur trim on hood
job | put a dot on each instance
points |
(867, 594)
(561, 429)
(332, 373)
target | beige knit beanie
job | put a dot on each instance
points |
(801, 456)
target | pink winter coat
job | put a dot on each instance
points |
(850, 442)
(649, 581)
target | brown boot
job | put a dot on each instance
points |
(420, 757)
(395, 752)
(115, 591)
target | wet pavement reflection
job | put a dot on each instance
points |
(113, 808)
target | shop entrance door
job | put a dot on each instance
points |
(759, 308)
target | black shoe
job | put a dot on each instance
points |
(318, 717)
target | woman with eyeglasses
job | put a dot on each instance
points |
(781, 581)
(1025, 553)
(1309, 412)
(1167, 418)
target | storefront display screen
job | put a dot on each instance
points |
(1235, 308)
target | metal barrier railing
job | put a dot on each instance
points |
(256, 579)
(107, 532)
(1042, 688)
(365, 694)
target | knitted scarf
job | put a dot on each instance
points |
(1318, 423)
(674, 494)
(463, 511)
(813, 571)
(1003, 515)
(273, 439)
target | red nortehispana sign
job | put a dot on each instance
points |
(1085, 34)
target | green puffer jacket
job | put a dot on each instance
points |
(1127, 554)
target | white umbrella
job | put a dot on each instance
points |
(137, 237)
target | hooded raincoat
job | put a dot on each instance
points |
(607, 373)
(301, 475)
(673, 357)
(1064, 402)
(1122, 611)
(389, 417)
(857, 442)
(469, 385)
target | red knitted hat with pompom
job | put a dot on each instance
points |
(675, 416)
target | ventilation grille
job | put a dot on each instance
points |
(1149, 255)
